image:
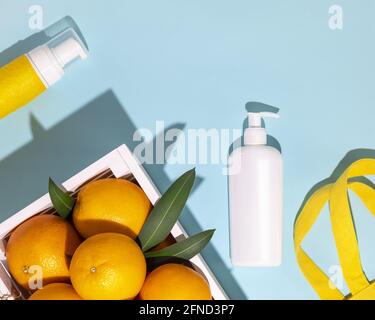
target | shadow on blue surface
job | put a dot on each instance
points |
(39, 38)
(94, 130)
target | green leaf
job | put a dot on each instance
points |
(61, 200)
(166, 211)
(185, 249)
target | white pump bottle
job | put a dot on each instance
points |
(255, 198)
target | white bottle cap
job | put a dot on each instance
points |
(255, 134)
(50, 60)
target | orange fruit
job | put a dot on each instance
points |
(175, 282)
(108, 266)
(111, 205)
(41, 246)
(56, 291)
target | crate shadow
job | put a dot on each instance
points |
(94, 130)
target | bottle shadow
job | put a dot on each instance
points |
(23, 46)
(71, 145)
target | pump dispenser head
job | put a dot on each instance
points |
(69, 50)
(51, 59)
(255, 134)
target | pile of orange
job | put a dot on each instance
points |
(95, 256)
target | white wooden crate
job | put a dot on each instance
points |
(120, 163)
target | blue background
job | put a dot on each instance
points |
(194, 64)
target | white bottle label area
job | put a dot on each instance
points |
(255, 201)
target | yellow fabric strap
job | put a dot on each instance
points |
(342, 226)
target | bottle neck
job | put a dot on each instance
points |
(255, 136)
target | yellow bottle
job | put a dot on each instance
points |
(29, 75)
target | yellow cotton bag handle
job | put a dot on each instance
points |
(342, 226)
